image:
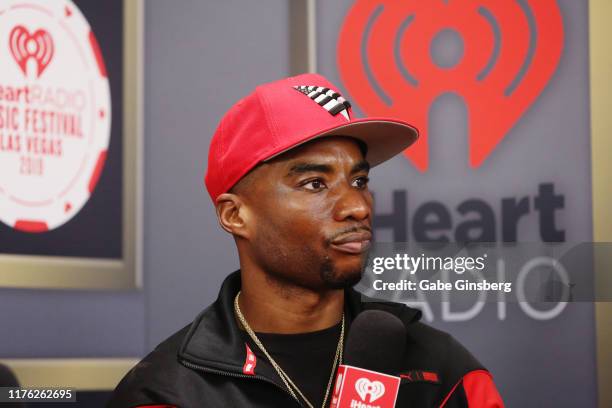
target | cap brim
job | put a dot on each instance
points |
(384, 137)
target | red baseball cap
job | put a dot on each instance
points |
(284, 114)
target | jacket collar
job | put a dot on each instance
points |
(214, 340)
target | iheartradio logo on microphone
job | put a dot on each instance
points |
(365, 387)
(397, 57)
(359, 388)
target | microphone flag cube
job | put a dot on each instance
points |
(360, 388)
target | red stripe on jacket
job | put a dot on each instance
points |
(480, 390)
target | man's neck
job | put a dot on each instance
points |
(273, 307)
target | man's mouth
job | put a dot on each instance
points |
(353, 242)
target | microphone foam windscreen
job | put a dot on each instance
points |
(7, 378)
(376, 341)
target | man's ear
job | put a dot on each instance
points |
(233, 214)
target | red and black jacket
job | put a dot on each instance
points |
(205, 365)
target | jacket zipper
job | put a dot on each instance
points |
(229, 374)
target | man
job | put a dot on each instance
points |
(288, 173)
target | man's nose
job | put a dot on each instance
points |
(353, 204)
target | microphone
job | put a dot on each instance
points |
(373, 354)
(8, 379)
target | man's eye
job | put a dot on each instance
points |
(361, 182)
(314, 185)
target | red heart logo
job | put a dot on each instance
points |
(508, 51)
(24, 46)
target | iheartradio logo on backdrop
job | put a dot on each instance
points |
(396, 57)
(25, 46)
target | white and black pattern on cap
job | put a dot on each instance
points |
(328, 99)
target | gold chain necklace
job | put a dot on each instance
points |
(286, 380)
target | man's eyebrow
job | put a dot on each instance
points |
(301, 168)
(361, 166)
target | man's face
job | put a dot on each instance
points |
(311, 213)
